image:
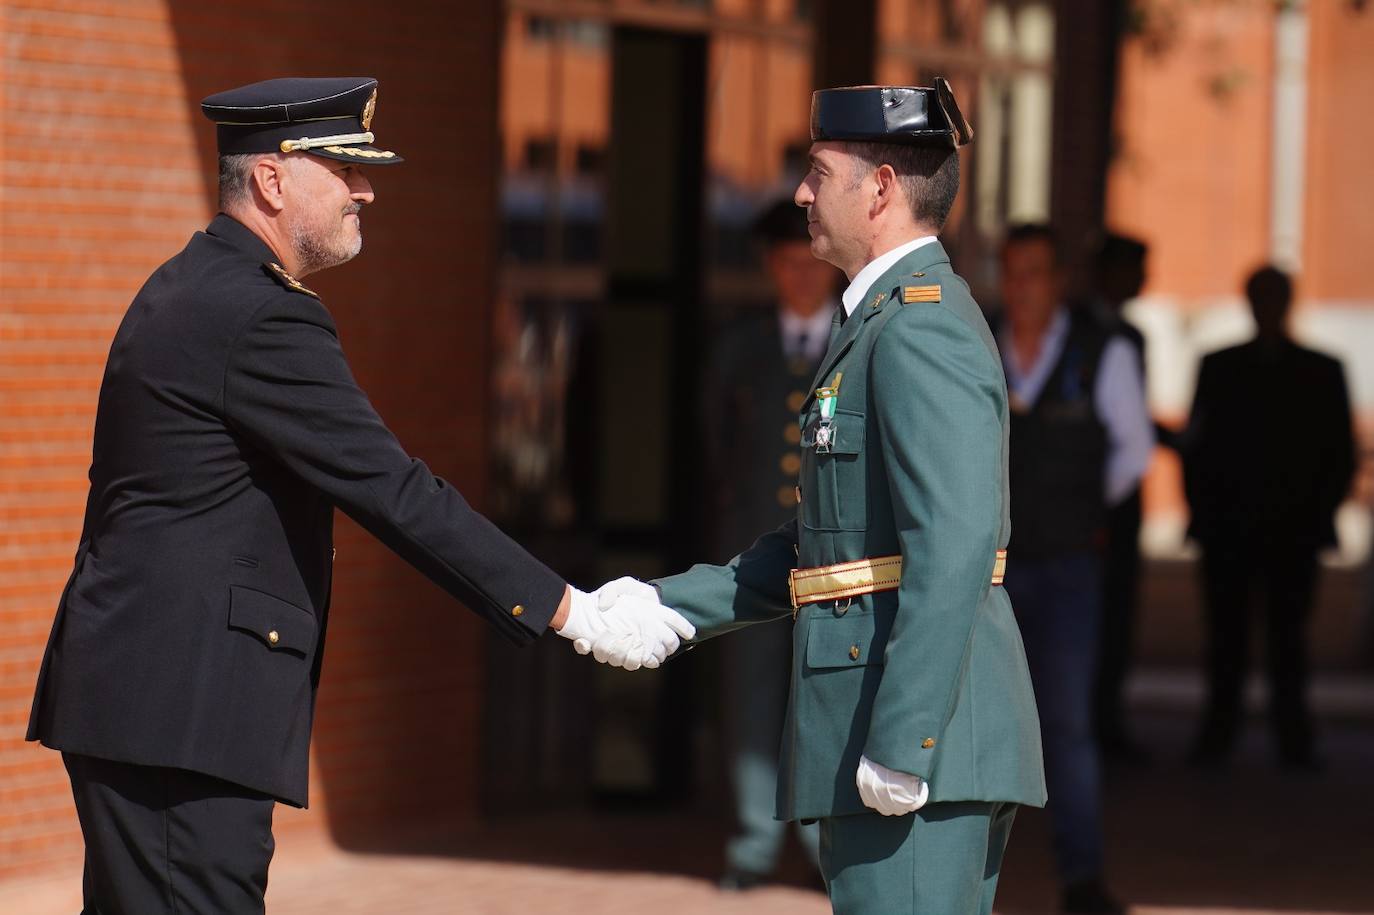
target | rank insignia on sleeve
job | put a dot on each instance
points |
(289, 281)
(911, 294)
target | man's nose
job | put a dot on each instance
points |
(803, 197)
(360, 188)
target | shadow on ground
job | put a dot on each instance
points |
(1251, 837)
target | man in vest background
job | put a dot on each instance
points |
(758, 378)
(1080, 442)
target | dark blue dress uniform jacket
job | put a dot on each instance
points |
(229, 429)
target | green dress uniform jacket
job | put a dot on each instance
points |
(929, 678)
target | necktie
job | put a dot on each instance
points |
(835, 326)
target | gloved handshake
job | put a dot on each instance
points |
(622, 623)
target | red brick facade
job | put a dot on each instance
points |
(106, 167)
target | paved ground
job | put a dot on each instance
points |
(1248, 840)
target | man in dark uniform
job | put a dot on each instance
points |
(759, 376)
(179, 680)
(1268, 456)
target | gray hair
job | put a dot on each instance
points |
(235, 176)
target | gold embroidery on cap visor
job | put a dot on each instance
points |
(360, 153)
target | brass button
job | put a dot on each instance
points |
(785, 496)
(927, 743)
(853, 652)
(799, 495)
(273, 637)
(333, 553)
(517, 610)
(795, 401)
(791, 464)
(792, 434)
(918, 274)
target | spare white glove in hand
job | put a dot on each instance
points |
(888, 791)
(657, 631)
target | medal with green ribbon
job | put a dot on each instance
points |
(827, 396)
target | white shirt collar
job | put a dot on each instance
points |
(818, 323)
(816, 327)
(876, 268)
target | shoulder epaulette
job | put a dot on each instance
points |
(912, 294)
(289, 281)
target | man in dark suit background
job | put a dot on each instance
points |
(759, 375)
(179, 681)
(1268, 456)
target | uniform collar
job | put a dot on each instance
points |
(876, 268)
(227, 228)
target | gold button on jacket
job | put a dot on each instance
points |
(274, 637)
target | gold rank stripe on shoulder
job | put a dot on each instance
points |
(289, 281)
(911, 294)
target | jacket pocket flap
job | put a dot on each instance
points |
(278, 623)
(844, 641)
(846, 435)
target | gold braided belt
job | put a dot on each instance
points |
(861, 576)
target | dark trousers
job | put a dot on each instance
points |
(1232, 572)
(1120, 596)
(164, 840)
(1057, 604)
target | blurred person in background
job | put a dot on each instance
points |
(1269, 453)
(1118, 276)
(758, 378)
(1080, 442)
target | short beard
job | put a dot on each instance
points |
(318, 250)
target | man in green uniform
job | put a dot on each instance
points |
(912, 733)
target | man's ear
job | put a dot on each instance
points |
(885, 178)
(268, 176)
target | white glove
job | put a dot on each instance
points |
(888, 791)
(640, 631)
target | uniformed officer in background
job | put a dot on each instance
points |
(911, 732)
(756, 383)
(180, 677)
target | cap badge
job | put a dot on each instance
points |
(369, 109)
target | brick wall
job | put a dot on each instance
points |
(1191, 174)
(1339, 221)
(105, 168)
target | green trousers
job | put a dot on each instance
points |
(942, 860)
